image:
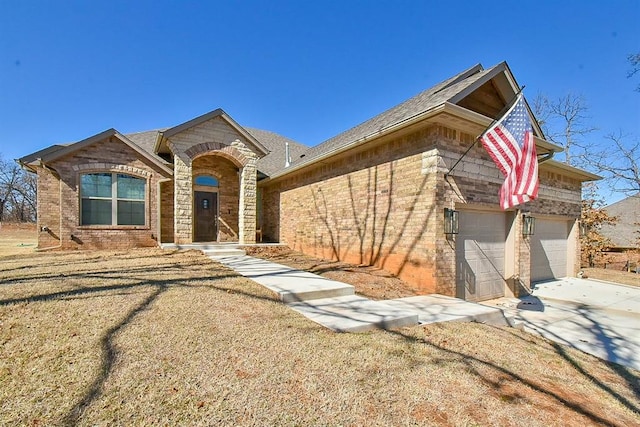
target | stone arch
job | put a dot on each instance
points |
(111, 167)
(216, 148)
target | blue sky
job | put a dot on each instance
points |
(305, 69)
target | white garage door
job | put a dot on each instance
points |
(549, 250)
(480, 251)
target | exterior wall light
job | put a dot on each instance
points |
(450, 221)
(528, 225)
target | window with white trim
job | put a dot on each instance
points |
(112, 199)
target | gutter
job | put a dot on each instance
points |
(382, 132)
(445, 107)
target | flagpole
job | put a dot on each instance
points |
(502, 113)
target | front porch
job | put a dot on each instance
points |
(212, 196)
(217, 250)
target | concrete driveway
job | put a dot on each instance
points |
(596, 317)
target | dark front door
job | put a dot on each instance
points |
(206, 223)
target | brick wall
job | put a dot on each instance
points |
(166, 209)
(61, 196)
(49, 209)
(383, 204)
(373, 206)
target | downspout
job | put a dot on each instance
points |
(546, 157)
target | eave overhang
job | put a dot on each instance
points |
(446, 114)
(570, 171)
(164, 136)
(48, 155)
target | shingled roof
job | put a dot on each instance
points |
(625, 233)
(424, 101)
(451, 90)
(57, 151)
(273, 162)
(275, 143)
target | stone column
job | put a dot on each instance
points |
(183, 203)
(248, 195)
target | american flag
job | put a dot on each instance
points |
(511, 146)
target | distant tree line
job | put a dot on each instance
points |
(17, 193)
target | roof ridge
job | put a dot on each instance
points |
(397, 113)
(146, 131)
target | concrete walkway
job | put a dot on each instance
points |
(334, 305)
(599, 318)
(596, 317)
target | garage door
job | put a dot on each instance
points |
(480, 251)
(549, 250)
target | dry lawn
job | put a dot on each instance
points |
(17, 238)
(610, 275)
(173, 338)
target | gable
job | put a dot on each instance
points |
(108, 153)
(467, 101)
(486, 100)
(57, 152)
(216, 127)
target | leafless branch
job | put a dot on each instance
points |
(619, 163)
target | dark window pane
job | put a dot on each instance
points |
(96, 212)
(130, 187)
(96, 185)
(130, 213)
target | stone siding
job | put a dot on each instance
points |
(218, 140)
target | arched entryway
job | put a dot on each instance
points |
(205, 196)
(216, 198)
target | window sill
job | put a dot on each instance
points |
(114, 227)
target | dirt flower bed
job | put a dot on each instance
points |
(150, 337)
(370, 282)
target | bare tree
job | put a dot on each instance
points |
(619, 163)
(634, 60)
(17, 193)
(542, 113)
(565, 121)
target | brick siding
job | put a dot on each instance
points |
(382, 204)
(58, 194)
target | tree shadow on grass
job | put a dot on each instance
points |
(468, 360)
(108, 357)
(158, 287)
(134, 279)
(109, 352)
(632, 380)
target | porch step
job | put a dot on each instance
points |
(353, 313)
(223, 252)
(290, 284)
(213, 250)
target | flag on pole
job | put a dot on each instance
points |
(511, 146)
